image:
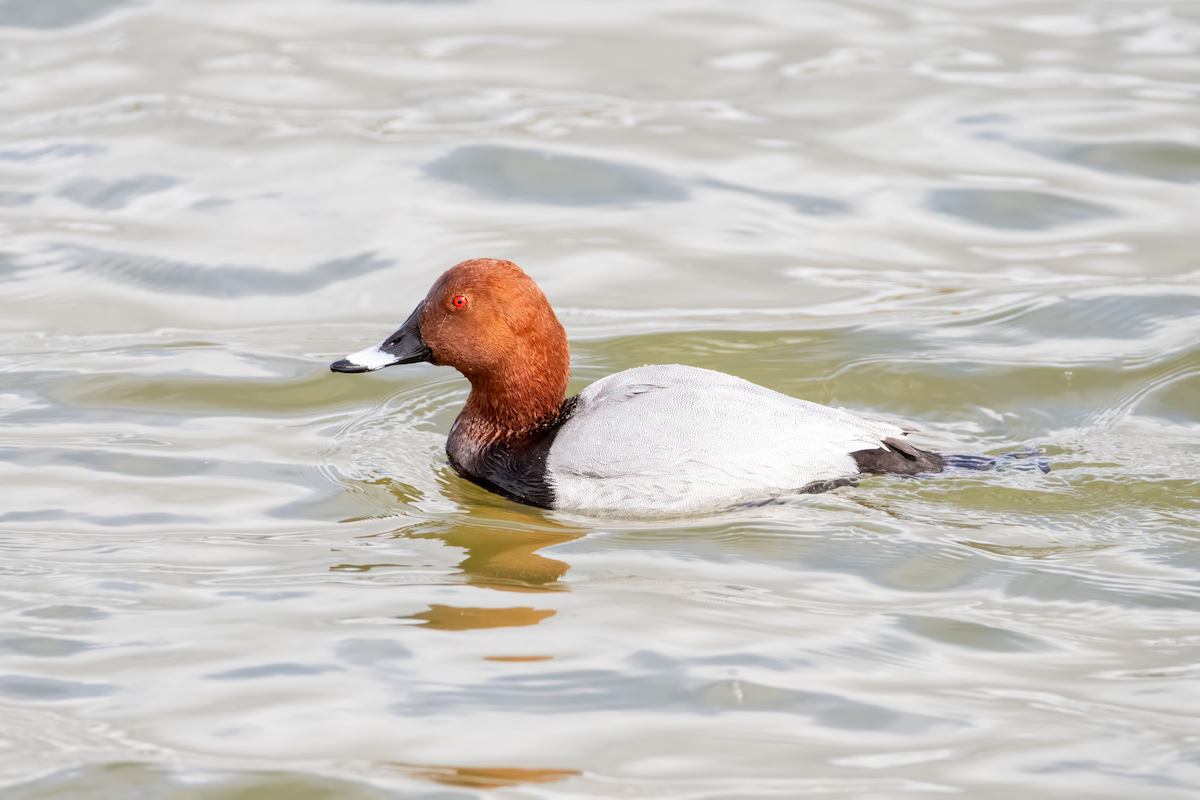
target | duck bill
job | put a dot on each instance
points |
(405, 346)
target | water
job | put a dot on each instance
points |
(228, 573)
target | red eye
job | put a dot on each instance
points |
(459, 301)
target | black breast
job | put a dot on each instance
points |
(514, 469)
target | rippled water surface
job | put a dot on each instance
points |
(227, 573)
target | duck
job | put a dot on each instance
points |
(652, 440)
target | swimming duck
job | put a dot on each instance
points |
(662, 439)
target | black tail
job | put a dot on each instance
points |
(899, 457)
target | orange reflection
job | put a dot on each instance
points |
(485, 777)
(501, 540)
(449, 618)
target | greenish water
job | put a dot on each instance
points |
(227, 573)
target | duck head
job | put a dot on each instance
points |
(490, 321)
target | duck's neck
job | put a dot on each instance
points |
(522, 394)
(507, 405)
(502, 439)
(495, 412)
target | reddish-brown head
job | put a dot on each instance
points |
(486, 317)
(491, 322)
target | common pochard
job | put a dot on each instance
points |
(649, 440)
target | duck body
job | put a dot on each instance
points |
(675, 439)
(659, 439)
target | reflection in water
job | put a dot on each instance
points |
(449, 618)
(159, 782)
(501, 555)
(502, 552)
(484, 777)
(508, 559)
(502, 558)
